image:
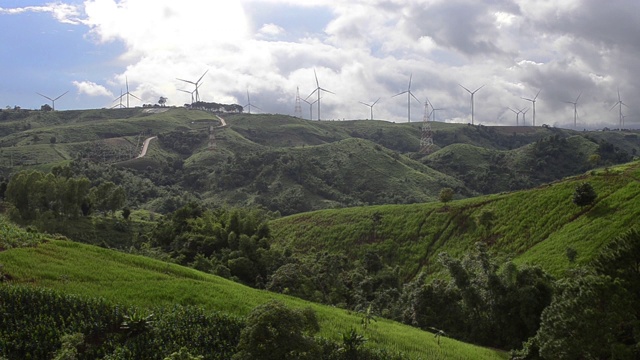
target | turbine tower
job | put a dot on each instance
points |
(575, 110)
(196, 83)
(426, 140)
(533, 101)
(409, 96)
(249, 103)
(318, 90)
(297, 112)
(472, 103)
(53, 101)
(127, 94)
(619, 103)
(370, 105)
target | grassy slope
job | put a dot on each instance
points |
(113, 130)
(533, 226)
(135, 280)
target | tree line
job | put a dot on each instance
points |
(35, 195)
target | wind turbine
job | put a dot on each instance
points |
(433, 110)
(370, 105)
(619, 103)
(318, 90)
(310, 107)
(196, 83)
(472, 104)
(188, 92)
(524, 116)
(127, 93)
(533, 101)
(575, 110)
(53, 101)
(119, 105)
(409, 96)
(249, 103)
(517, 115)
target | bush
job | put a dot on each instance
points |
(584, 195)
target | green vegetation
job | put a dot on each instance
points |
(533, 226)
(291, 165)
(129, 280)
(495, 270)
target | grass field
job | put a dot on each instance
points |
(530, 226)
(135, 280)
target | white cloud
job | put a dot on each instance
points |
(368, 48)
(270, 31)
(64, 13)
(91, 89)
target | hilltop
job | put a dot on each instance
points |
(291, 165)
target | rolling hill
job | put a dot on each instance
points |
(292, 165)
(534, 226)
(89, 271)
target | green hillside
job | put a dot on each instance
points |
(75, 268)
(291, 165)
(534, 226)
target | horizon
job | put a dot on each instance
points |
(360, 51)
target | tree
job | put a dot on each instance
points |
(584, 195)
(276, 332)
(583, 322)
(446, 195)
(162, 101)
(46, 107)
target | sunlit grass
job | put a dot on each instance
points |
(135, 280)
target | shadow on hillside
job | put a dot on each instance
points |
(600, 210)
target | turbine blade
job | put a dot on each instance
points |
(327, 91)
(375, 102)
(364, 103)
(134, 96)
(410, 93)
(469, 91)
(187, 81)
(205, 73)
(578, 98)
(316, 75)
(538, 93)
(60, 96)
(127, 82)
(398, 94)
(619, 99)
(313, 92)
(614, 105)
(45, 96)
(410, 78)
(478, 89)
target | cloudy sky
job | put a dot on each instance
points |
(361, 50)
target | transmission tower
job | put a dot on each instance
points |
(212, 139)
(298, 111)
(426, 141)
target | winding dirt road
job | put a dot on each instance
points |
(145, 146)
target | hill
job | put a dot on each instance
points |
(534, 226)
(90, 271)
(291, 165)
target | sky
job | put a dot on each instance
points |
(360, 50)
